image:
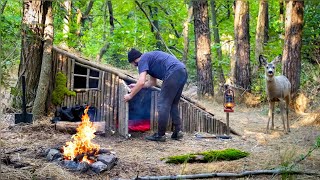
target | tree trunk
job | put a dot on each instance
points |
(83, 17)
(217, 42)
(281, 11)
(261, 30)
(45, 74)
(66, 22)
(291, 59)
(242, 45)
(111, 17)
(31, 48)
(203, 51)
(186, 34)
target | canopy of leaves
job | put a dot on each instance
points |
(133, 29)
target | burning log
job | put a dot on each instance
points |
(71, 127)
(79, 157)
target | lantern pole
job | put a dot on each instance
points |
(228, 104)
(228, 127)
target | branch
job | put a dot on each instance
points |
(86, 13)
(228, 175)
(170, 21)
(155, 28)
(3, 6)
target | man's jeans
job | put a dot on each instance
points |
(169, 97)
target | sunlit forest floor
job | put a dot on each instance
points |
(138, 157)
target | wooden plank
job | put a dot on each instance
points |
(108, 98)
(116, 102)
(194, 120)
(69, 81)
(112, 99)
(72, 74)
(64, 67)
(214, 122)
(101, 97)
(199, 120)
(87, 79)
(123, 110)
(90, 98)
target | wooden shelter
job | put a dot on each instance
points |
(104, 87)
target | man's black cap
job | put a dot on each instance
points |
(133, 54)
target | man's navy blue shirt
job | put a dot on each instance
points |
(159, 64)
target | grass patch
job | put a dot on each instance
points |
(208, 156)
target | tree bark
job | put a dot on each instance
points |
(45, 74)
(66, 22)
(291, 59)
(31, 48)
(185, 33)
(242, 45)
(203, 51)
(220, 73)
(83, 17)
(261, 30)
(281, 11)
(229, 175)
(111, 18)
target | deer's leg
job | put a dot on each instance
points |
(287, 111)
(272, 115)
(269, 116)
(282, 116)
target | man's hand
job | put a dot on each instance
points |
(127, 97)
(132, 85)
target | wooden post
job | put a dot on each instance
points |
(123, 111)
(228, 129)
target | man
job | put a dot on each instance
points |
(163, 66)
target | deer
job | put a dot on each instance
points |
(278, 89)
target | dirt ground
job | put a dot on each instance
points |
(138, 157)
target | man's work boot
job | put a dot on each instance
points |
(177, 135)
(156, 137)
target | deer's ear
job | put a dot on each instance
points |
(278, 59)
(262, 60)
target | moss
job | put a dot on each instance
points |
(227, 154)
(208, 156)
(61, 90)
(180, 159)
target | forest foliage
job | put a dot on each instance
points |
(132, 29)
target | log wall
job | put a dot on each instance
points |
(108, 98)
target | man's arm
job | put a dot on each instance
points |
(139, 85)
(151, 82)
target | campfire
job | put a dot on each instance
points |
(82, 148)
(81, 154)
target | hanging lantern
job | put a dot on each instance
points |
(228, 99)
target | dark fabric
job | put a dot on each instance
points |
(169, 97)
(75, 113)
(159, 64)
(133, 54)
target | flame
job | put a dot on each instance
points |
(82, 140)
